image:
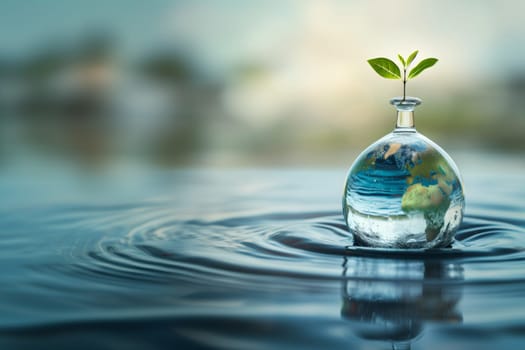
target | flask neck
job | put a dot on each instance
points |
(405, 119)
(405, 112)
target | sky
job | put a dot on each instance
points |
(476, 35)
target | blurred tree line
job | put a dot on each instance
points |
(88, 101)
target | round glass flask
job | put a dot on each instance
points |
(403, 191)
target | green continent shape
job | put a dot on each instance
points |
(433, 200)
(423, 198)
(431, 166)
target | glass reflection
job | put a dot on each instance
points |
(391, 300)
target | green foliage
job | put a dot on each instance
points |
(388, 69)
(411, 57)
(426, 63)
(402, 60)
(385, 67)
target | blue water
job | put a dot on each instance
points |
(247, 259)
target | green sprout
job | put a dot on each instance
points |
(388, 69)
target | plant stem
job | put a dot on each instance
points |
(404, 83)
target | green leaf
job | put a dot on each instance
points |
(426, 63)
(385, 67)
(402, 60)
(411, 57)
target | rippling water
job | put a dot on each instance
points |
(248, 259)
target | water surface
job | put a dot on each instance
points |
(248, 259)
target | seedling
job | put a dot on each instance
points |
(388, 69)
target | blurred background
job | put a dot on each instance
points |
(231, 83)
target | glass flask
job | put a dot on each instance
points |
(403, 191)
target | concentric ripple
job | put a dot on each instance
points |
(156, 247)
(267, 250)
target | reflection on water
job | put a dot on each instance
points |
(248, 259)
(403, 295)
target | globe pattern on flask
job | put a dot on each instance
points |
(403, 191)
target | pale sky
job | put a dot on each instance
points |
(469, 35)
